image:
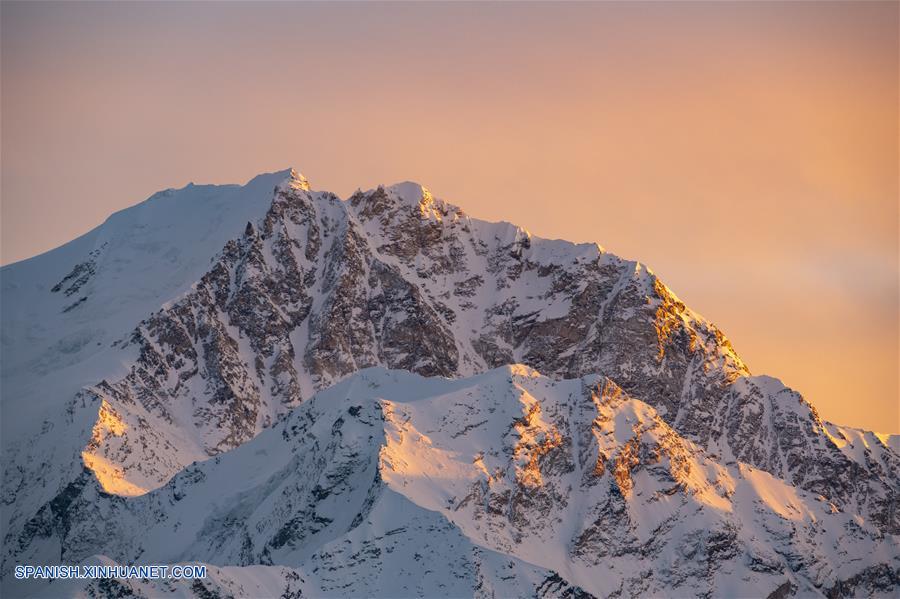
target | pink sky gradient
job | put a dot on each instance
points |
(747, 152)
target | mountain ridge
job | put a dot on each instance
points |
(560, 476)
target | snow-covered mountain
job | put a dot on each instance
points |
(390, 484)
(156, 373)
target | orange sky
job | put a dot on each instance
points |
(747, 152)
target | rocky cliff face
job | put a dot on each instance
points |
(316, 288)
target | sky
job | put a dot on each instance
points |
(746, 152)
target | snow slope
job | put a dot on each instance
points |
(63, 309)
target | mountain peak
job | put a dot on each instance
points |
(419, 197)
(410, 192)
(296, 180)
(401, 198)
